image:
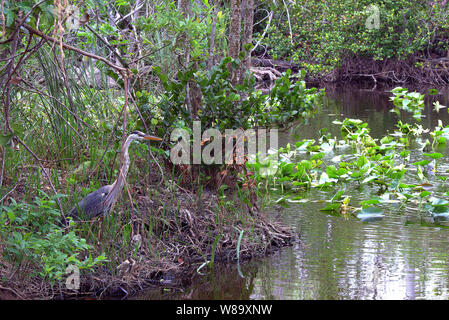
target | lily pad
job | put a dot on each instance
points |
(437, 217)
(440, 202)
(434, 155)
(331, 207)
(370, 214)
(421, 163)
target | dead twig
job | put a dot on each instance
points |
(9, 192)
(13, 291)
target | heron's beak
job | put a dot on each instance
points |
(153, 138)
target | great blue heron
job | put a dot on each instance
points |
(102, 200)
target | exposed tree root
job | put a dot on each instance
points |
(261, 73)
(414, 70)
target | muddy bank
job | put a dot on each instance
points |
(412, 71)
(432, 70)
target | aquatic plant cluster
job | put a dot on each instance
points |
(357, 159)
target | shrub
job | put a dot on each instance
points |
(31, 235)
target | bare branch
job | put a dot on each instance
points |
(77, 50)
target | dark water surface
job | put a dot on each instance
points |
(403, 256)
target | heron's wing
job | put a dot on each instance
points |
(92, 205)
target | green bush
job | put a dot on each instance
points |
(224, 105)
(229, 106)
(289, 99)
(32, 235)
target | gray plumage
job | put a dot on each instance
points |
(92, 205)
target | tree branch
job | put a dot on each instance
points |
(120, 69)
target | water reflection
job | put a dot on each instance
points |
(223, 283)
(348, 259)
(402, 256)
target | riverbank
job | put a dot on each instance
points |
(169, 233)
(414, 71)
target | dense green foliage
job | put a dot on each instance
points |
(325, 33)
(65, 102)
(74, 83)
(32, 235)
(228, 106)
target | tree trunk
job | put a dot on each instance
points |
(234, 36)
(248, 20)
(184, 6)
(193, 95)
(211, 60)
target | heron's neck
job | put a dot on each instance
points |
(118, 184)
(124, 163)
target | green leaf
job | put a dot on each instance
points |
(422, 163)
(337, 196)
(368, 203)
(317, 156)
(5, 139)
(404, 153)
(332, 171)
(331, 207)
(435, 155)
(11, 216)
(425, 193)
(10, 16)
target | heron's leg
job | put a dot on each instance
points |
(100, 227)
(91, 222)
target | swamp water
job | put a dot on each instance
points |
(402, 256)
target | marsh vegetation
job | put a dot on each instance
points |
(77, 77)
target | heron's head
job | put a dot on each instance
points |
(140, 136)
